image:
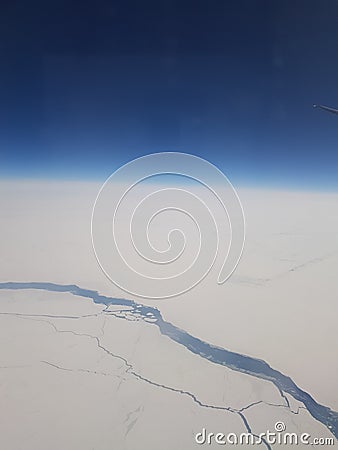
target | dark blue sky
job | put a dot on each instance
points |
(87, 86)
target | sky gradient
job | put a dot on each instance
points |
(85, 87)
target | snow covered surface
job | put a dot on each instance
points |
(77, 375)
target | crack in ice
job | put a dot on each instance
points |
(217, 355)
